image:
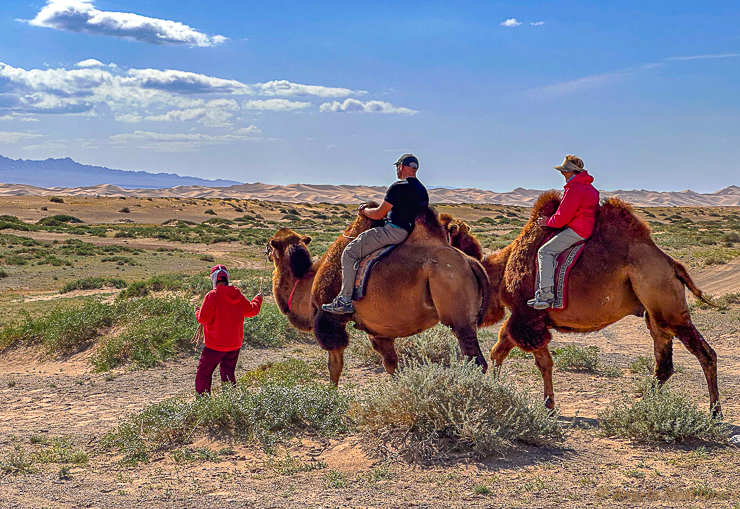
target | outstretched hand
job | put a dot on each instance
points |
(542, 221)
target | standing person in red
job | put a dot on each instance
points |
(222, 316)
(577, 214)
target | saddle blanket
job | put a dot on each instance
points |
(363, 270)
(563, 265)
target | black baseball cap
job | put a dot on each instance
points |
(409, 160)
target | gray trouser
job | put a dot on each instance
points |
(549, 252)
(367, 242)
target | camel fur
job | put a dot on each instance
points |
(422, 282)
(620, 272)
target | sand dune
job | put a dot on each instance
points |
(311, 193)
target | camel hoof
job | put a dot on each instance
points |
(717, 411)
(550, 402)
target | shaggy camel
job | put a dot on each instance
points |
(458, 233)
(422, 282)
(620, 272)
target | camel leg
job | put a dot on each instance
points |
(696, 344)
(503, 346)
(387, 350)
(663, 348)
(528, 331)
(544, 362)
(467, 336)
(336, 364)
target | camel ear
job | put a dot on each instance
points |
(306, 240)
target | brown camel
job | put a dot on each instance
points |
(422, 282)
(458, 233)
(620, 272)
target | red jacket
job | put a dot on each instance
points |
(222, 314)
(578, 206)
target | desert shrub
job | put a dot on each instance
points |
(426, 410)
(730, 237)
(63, 329)
(270, 328)
(59, 451)
(643, 365)
(436, 345)
(210, 212)
(58, 220)
(3, 274)
(661, 415)
(290, 465)
(93, 283)
(575, 358)
(123, 234)
(17, 461)
(268, 413)
(611, 371)
(167, 282)
(56, 199)
(206, 258)
(119, 260)
(290, 370)
(125, 210)
(154, 330)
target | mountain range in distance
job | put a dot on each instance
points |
(65, 177)
(68, 173)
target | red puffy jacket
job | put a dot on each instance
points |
(222, 314)
(578, 206)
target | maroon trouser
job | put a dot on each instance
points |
(209, 359)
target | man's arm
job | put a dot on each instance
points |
(378, 212)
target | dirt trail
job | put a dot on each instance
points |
(720, 279)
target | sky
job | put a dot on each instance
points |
(489, 95)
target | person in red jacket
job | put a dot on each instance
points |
(222, 315)
(576, 214)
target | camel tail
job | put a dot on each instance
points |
(484, 285)
(683, 275)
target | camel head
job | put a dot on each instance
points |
(458, 233)
(289, 251)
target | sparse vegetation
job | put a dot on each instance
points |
(93, 283)
(268, 412)
(575, 358)
(427, 410)
(661, 415)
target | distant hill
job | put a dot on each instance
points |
(68, 173)
(308, 193)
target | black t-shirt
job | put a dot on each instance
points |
(408, 197)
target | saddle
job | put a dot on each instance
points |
(563, 265)
(364, 268)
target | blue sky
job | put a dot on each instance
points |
(333, 92)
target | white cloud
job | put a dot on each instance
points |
(242, 134)
(275, 105)
(703, 57)
(14, 137)
(286, 88)
(511, 22)
(90, 62)
(21, 119)
(130, 118)
(102, 89)
(355, 106)
(578, 84)
(82, 16)
(537, 23)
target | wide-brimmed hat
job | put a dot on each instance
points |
(571, 163)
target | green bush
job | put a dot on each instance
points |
(427, 409)
(643, 365)
(210, 212)
(93, 283)
(269, 412)
(271, 328)
(58, 220)
(661, 415)
(574, 358)
(154, 330)
(3, 274)
(437, 345)
(56, 199)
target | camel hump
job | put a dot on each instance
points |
(616, 219)
(428, 229)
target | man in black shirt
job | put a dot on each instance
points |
(404, 200)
